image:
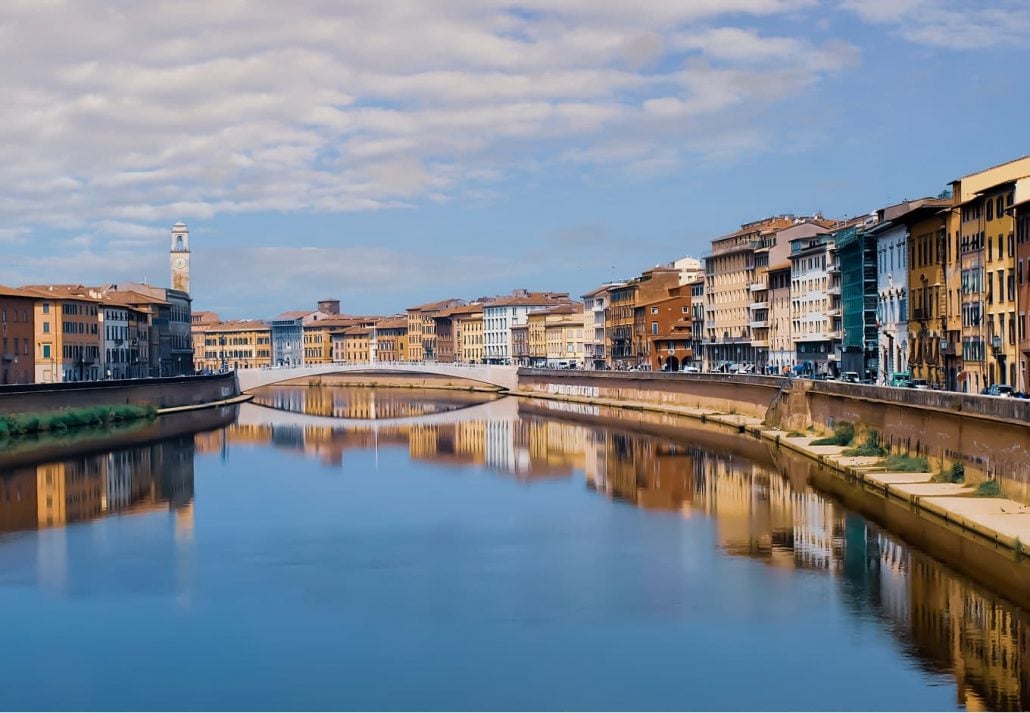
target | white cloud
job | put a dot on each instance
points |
(950, 24)
(122, 115)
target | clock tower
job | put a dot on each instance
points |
(180, 255)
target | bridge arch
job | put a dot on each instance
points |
(503, 377)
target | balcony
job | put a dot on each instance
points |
(833, 290)
(759, 286)
(759, 324)
(758, 305)
(835, 334)
(833, 269)
(834, 312)
(760, 343)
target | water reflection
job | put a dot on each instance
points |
(375, 579)
(943, 621)
(366, 403)
(159, 476)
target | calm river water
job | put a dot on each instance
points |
(458, 553)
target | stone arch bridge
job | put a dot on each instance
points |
(503, 377)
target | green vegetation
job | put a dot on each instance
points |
(905, 463)
(988, 489)
(870, 448)
(21, 424)
(795, 434)
(843, 435)
(955, 474)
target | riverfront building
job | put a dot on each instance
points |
(502, 313)
(17, 320)
(816, 315)
(67, 333)
(245, 344)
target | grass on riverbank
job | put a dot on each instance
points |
(843, 435)
(22, 424)
(901, 463)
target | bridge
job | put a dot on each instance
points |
(503, 377)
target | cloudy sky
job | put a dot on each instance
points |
(389, 152)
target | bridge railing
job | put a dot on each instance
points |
(383, 365)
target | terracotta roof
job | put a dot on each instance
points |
(393, 323)
(60, 292)
(567, 308)
(434, 306)
(295, 314)
(531, 300)
(129, 297)
(15, 292)
(243, 325)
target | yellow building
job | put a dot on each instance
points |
(352, 345)
(987, 250)
(422, 329)
(929, 297)
(468, 336)
(318, 335)
(68, 339)
(563, 336)
(233, 345)
(391, 343)
(536, 338)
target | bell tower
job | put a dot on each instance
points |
(180, 255)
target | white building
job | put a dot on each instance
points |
(892, 299)
(815, 289)
(594, 305)
(690, 269)
(502, 313)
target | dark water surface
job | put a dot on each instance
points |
(494, 556)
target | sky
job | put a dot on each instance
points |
(392, 152)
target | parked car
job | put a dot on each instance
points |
(851, 377)
(998, 390)
(919, 384)
(690, 370)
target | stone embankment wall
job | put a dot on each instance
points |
(54, 447)
(989, 436)
(161, 393)
(745, 395)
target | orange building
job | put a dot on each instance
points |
(67, 333)
(17, 321)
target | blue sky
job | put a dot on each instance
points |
(389, 153)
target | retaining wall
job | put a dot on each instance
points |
(747, 395)
(165, 392)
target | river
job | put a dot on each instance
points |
(342, 548)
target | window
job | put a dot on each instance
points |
(990, 210)
(46, 351)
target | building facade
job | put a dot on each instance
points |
(816, 314)
(17, 322)
(245, 344)
(502, 313)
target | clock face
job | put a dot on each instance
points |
(180, 262)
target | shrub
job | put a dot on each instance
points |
(795, 434)
(988, 489)
(871, 446)
(843, 435)
(955, 474)
(59, 421)
(906, 463)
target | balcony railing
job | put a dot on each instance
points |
(758, 305)
(759, 324)
(759, 286)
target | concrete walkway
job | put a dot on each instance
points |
(999, 519)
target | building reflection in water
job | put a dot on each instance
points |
(366, 403)
(52, 495)
(944, 621)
